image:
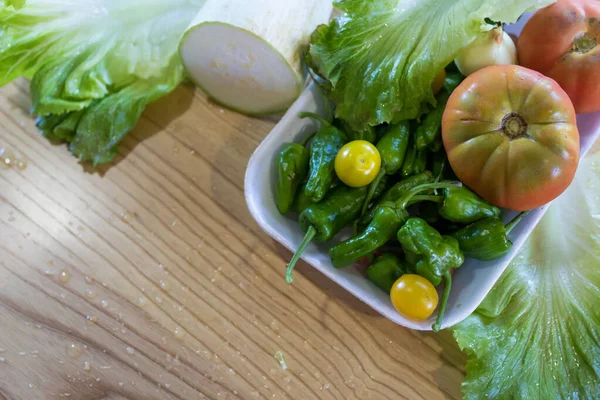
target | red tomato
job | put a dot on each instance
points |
(562, 41)
(511, 136)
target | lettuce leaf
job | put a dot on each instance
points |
(94, 64)
(380, 57)
(537, 334)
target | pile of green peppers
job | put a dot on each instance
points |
(424, 221)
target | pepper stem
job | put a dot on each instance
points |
(372, 189)
(445, 295)
(441, 173)
(418, 199)
(306, 114)
(405, 200)
(308, 237)
(510, 226)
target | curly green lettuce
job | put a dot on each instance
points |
(537, 334)
(380, 57)
(94, 64)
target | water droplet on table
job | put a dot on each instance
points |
(64, 277)
(164, 284)
(179, 333)
(7, 158)
(74, 350)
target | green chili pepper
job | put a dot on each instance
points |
(302, 201)
(398, 190)
(433, 255)
(323, 149)
(392, 149)
(322, 221)
(392, 146)
(463, 206)
(420, 161)
(386, 270)
(292, 169)
(453, 79)
(409, 159)
(431, 127)
(486, 239)
(369, 134)
(388, 218)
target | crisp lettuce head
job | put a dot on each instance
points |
(94, 64)
(537, 334)
(380, 57)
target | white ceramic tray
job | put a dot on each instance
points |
(471, 282)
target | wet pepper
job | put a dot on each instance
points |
(386, 269)
(323, 149)
(398, 190)
(420, 161)
(433, 256)
(409, 159)
(486, 239)
(461, 205)
(388, 218)
(430, 129)
(392, 148)
(322, 221)
(302, 201)
(292, 170)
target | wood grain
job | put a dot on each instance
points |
(148, 278)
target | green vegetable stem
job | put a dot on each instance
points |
(388, 218)
(292, 170)
(398, 190)
(430, 129)
(392, 149)
(433, 256)
(386, 269)
(463, 206)
(486, 239)
(323, 149)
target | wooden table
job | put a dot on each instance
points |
(148, 278)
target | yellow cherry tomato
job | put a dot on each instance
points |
(357, 163)
(414, 297)
(438, 82)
